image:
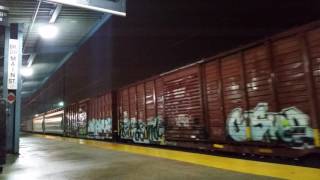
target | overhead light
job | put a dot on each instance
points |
(48, 31)
(36, 115)
(116, 7)
(26, 72)
(61, 104)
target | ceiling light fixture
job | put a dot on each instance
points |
(48, 31)
(61, 104)
(26, 72)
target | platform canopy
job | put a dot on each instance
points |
(75, 20)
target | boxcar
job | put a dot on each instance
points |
(262, 98)
(91, 118)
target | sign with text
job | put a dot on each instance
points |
(13, 64)
(117, 7)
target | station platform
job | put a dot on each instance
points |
(51, 157)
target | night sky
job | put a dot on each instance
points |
(159, 35)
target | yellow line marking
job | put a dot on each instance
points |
(316, 137)
(248, 133)
(231, 164)
(265, 150)
(219, 146)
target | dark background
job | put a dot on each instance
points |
(159, 35)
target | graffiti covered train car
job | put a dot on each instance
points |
(91, 118)
(262, 98)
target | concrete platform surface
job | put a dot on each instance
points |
(46, 159)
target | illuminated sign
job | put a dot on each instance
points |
(117, 7)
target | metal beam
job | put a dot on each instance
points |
(55, 14)
(31, 59)
(106, 6)
(32, 23)
(49, 49)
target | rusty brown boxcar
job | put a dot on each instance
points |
(261, 98)
(100, 117)
(141, 112)
(90, 118)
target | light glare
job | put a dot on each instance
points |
(48, 32)
(61, 104)
(26, 72)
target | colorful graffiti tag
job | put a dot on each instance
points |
(290, 126)
(100, 128)
(140, 132)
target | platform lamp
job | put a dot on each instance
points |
(3, 15)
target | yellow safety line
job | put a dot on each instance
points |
(316, 137)
(231, 164)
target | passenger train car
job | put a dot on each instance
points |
(262, 98)
(50, 122)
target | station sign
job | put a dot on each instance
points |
(12, 81)
(117, 7)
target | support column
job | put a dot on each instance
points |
(14, 109)
(5, 89)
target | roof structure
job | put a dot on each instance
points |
(75, 26)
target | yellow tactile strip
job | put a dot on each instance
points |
(231, 164)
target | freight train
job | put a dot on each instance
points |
(262, 98)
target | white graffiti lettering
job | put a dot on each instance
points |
(182, 120)
(139, 131)
(290, 126)
(100, 128)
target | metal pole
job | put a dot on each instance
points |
(33, 21)
(14, 109)
(5, 89)
(17, 114)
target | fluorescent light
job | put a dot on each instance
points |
(93, 5)
(61, 104)
(26, 72)
(48, 31)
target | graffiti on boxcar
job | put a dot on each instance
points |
(82, 122)
(100, 128)
(125, 126)
(182, 120)
(141, 132)
(290, 126)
